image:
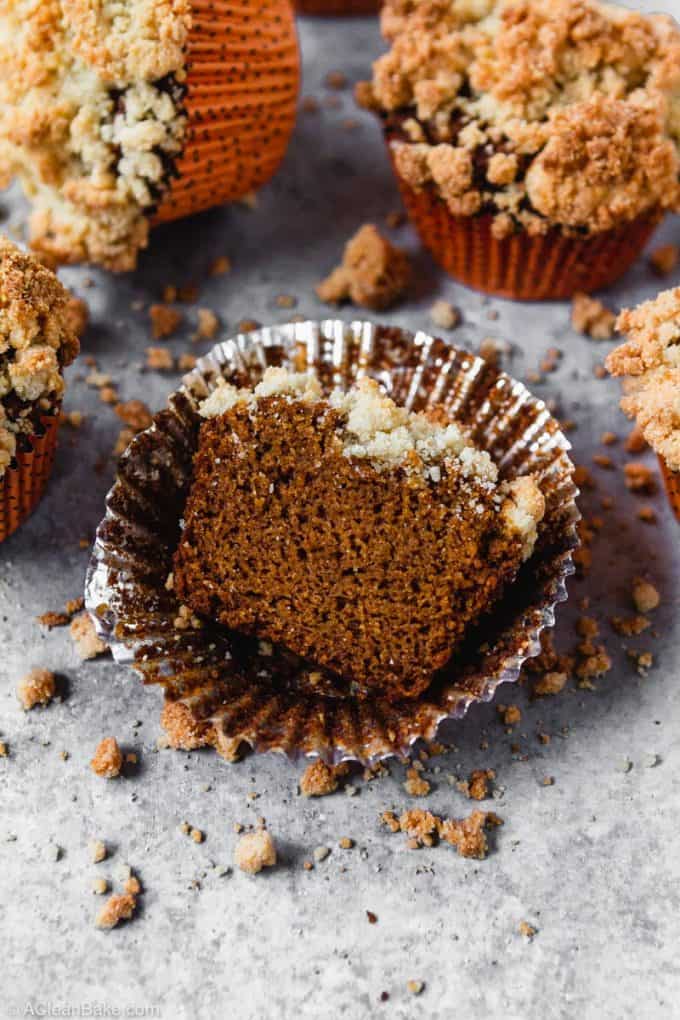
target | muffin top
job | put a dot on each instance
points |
(542, 112)
(91, 117)
(650, 364)
(37, 340)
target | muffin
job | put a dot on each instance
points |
(117, 116)
(363, 538)
(649, 362)
(536, 142)
(37, 340)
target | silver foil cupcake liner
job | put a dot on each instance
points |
(223, 689)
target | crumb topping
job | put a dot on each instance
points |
(543, 112)
(108, 759)
(255, 851)
(38, 687)
(373, 274)
(91, 118)
(37, 341)
(649, 361)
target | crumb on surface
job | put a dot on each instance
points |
(510, 714)
(424, 829)
(550, 683)
(415, 784)
(645, 596)
(319, 779)
(87, 643)
(159, 359)
(108, 759)
(207, 324)
(164, 321)
(640, 478)
(98, 851)
(592, 318)
(526, 929)
(444, 315)
(477, 787)
(373, 274)
(255, 851)
(37, 687)
(119, 907)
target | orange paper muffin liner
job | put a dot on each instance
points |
(243, 76)
(548, 267)
(337, 8)
(672, 480)
(22, 487)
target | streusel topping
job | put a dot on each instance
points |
(91, 118)
(543, 112)
(36, 342)
(650, 363)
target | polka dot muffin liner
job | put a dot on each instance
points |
(24, 483)
(223, 689)
(337, 8)
(672, 482)
(522, 267)
(243, 77)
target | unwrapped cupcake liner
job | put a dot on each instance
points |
(223, 688)
(337, 8)
(672, 482)
(241, 95)
(23, 484)
(547, 267)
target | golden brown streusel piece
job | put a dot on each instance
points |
(645, 596)
(319, 779)
(526, 929)
(98, 851)
(255, 851)
(640, 478)
(444, 315)
(119, 907)
(159, 359)
(415, 785)
(510, 714)
(135, 414)
(469, 836)
(208, 324)
(549, 683)
(373, 274)
(590, 317)
(164, 321)
(88, 645)
(38, 687)
(108, 759)
(477, 787)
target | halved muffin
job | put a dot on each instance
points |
(360, 536)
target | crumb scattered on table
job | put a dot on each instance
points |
(255, 851)
(108, 759)
(37, 687)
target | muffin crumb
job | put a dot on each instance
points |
(164, 321)
(319, 779)
(255, 851)
(38, 687)
(120, 907)
(108, 759)
(444, 315)
(415, 785)
(84, 636)
(663, 260)
(374, 273)
(98, 851)
(592, 318)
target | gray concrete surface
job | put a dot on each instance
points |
(590, 861)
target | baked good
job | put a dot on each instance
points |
(649, 362)
(536, 142)
(337, 8)
(37, 340)
(365, 539)
(114, 116)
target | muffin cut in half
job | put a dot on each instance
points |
(358, 535)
